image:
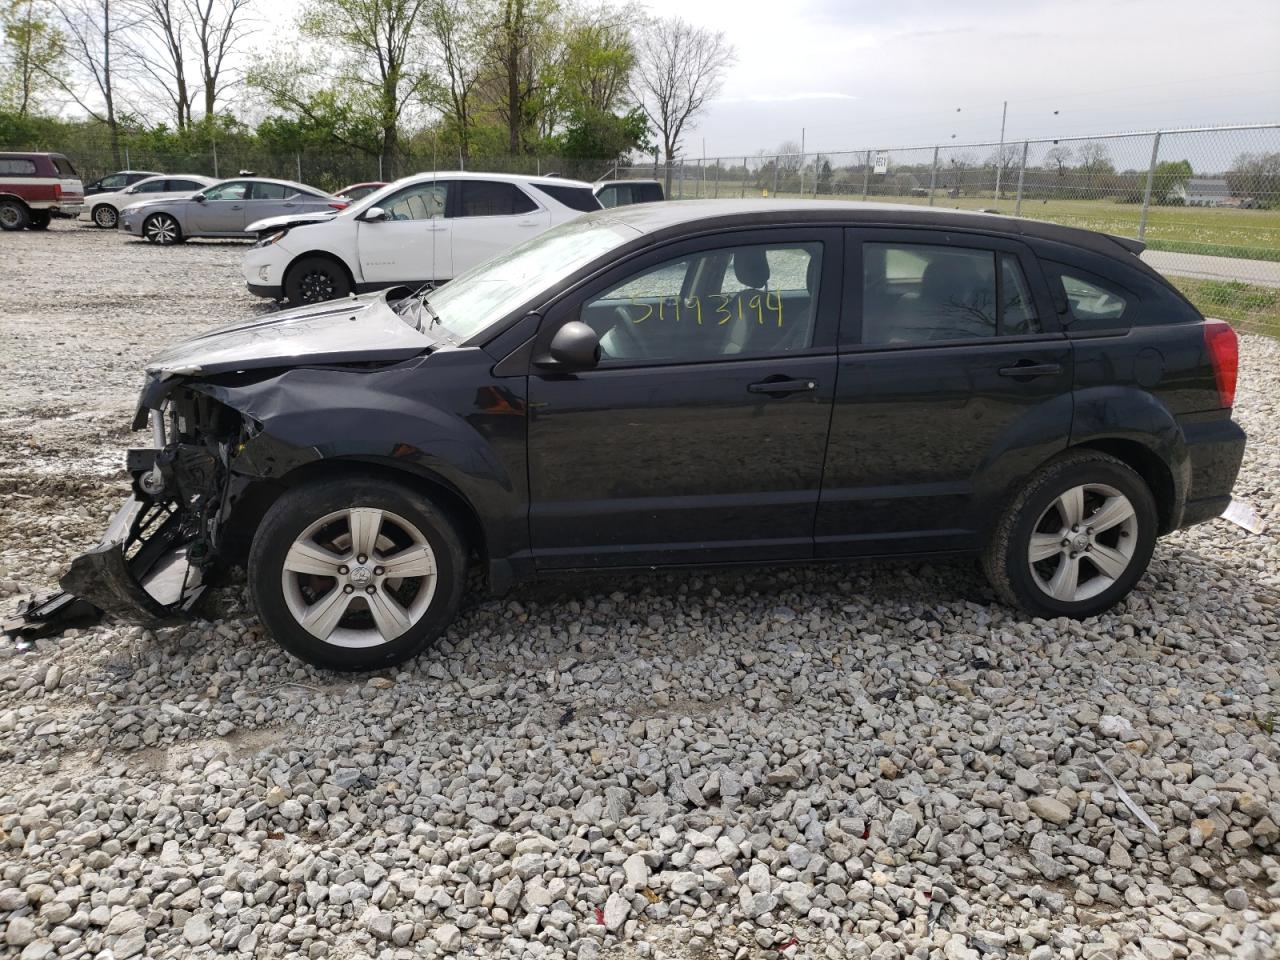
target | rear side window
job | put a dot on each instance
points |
(17, 167)
(178, 186)
(154, 186)
(647, 192)
(64, 167)
(271, 191)
(1092, 302)
(575, 198)
(914, 293)
(488, 198)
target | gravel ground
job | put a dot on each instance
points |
(825, 762)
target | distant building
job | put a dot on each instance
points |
(1203, 192)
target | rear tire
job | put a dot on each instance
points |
(162, 229)
(306, 567)
(40, 220)
(13, 215)
(1076, 538)
(106, 216)
(315, 280)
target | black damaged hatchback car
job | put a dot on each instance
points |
(710, 382)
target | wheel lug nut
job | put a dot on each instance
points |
(348, 589)
(1075, 528)
(1073, 554)
(361, 559)
(1066, 543)
(378, 571)
(370, 589)
(343, 570)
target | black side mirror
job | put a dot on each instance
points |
(575, 346)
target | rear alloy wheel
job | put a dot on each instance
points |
(105, 216)
(40, 220)
(13, 215)
(1076, 539)
(162, 229)
(356, 575)
(315, 280)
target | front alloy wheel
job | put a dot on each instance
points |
(1076, 538)
(13, 215)
(162, 229)
(315, 280)
(356, 574)
(105, 216)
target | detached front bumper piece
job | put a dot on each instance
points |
(139, 573)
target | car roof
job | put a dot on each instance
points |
(674, 216)
(179, 176)
(288, 183)
(609, 183)
(503, 177)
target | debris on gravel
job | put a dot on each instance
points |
(842, 762)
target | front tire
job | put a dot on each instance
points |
(106, 216)
(162, 229)
(1076, 538)
(14, 215)
(315, 280)
(356, 575)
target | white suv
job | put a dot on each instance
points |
(429, 227)
(103, 209)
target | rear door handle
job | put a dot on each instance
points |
(1027, 368)
(782, 386)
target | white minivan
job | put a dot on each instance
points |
(426, 228)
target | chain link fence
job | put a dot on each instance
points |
(1206, 201)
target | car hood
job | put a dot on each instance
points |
(356, 329)
(141, 204)
(291, 220)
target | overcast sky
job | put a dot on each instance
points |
(906, 72)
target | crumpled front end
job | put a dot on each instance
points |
(159, 550)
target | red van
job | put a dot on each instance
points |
(35, 187)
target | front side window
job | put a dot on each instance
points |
(421, 201)
(915, 293)
(233, 190)
(17, 167)
(744, 301)
(488, 198)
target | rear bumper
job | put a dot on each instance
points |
(1215, 449)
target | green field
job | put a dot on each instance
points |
(1208, 231)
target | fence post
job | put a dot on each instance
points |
(746, 172)
(298, 157)
(681, 175)
(126, 157)
(380, 176)
(1022, 170)
(933, 175)
(215, 160)
(866, 175)
(1146, 194)
(776, 162)
(716, 184)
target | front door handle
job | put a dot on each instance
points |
(1029, 368)
(782, 386)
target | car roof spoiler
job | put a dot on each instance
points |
(1133, 246)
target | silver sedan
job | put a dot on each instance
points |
(222, 210)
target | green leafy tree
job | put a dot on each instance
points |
(33, 49)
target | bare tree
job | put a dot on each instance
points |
(92, 29)
(679, 67)
(218, 27)
(1059, 157)
(160, 55)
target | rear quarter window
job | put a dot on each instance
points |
(575, 198)
(64, 167)
(17, 167)
(1118, 299)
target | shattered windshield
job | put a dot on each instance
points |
(487, 293)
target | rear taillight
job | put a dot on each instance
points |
(57, 191)
(339, 206)
(1224, 352)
